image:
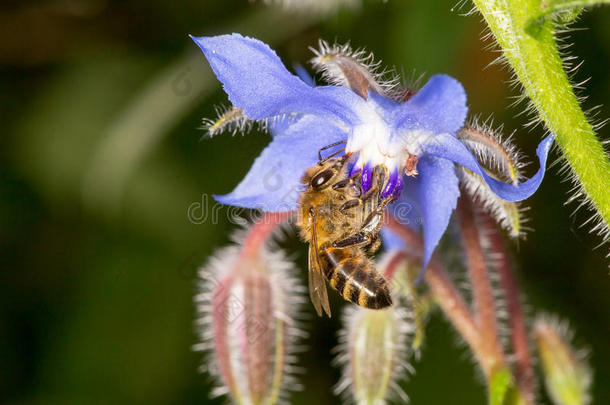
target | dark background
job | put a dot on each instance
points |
(101, 158)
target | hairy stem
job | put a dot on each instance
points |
(550, 7)
(524, 370)
(260, 231)
(538, 66)
(394, 264)
(483, 296)
(445, 293)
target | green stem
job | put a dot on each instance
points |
(555, 6)
(538, 66)
(564, 10)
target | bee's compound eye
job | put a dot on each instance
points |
(322, 178)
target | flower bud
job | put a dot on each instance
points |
(566, 374)
(373, 352)
(247, 305)
(501, 160)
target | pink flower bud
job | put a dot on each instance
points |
(247, 305)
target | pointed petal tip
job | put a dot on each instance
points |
(226, 40)
(449, 147)
(220, 197)
(254, 202)
(545, 145)
(256, 80)
(199, 40)
(237, 201)
(229, 199)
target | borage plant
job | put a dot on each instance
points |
(434, 159)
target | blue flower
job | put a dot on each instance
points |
(414, 139)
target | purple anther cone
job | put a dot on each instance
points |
(390, 185)
(397, 188)
(353, 171)
(366, 178)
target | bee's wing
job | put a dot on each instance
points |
(317, 284)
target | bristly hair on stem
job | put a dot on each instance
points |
(538, 67)
(444, 291)
(519, 339)
(484, 305)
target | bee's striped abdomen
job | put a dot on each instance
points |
(354, 277)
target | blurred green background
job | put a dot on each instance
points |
(101, 157)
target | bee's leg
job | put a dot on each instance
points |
(356, 202)
(357, 239)
(367, 233)
(373, 222)
(353, 187)
(367, 196)
(374, 245)
(372, 192)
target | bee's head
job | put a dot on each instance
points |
(323, 174)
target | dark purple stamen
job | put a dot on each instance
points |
(366, 178)
(353, 170)
(397, 188)
(390, 185)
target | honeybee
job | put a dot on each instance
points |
(341, 223)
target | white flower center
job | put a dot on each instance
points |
(377, 144)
